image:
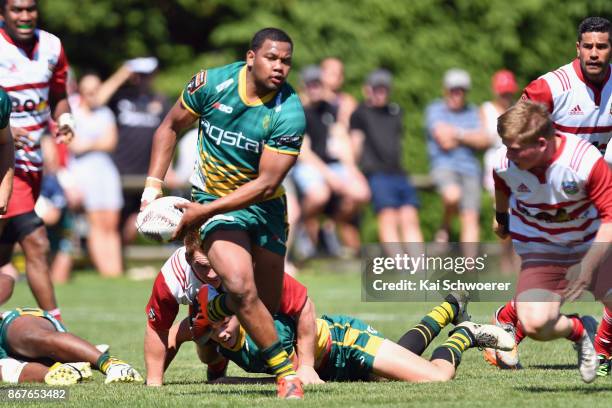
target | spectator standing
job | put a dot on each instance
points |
(96, 178)
(376, 131)
(453, 134)
(139, 111)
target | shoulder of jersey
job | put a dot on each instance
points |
(500, 160)
(219, 78)
(580, 155)
(559, 80)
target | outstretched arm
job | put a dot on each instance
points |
(155, 351)
(306, 341)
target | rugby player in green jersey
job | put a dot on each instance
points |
(7, 153)
(251, 125)
(349, 349)
(35, 347)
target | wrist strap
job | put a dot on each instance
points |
(155, 179)
(503, 219)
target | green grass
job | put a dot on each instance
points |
(112, 311)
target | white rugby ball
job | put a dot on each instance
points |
(158, 220)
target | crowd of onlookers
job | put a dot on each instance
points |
(350, 158)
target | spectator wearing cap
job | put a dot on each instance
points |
(139, 111)
(454, 133)
(377, 129)
(326, 174)
(504, 88)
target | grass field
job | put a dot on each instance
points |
(112, 311)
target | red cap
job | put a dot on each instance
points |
(504, 82)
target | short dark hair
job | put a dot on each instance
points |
(594, 25)
(269, 33)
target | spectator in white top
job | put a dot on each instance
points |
(96, 177)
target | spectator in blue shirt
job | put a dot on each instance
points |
(454, 133)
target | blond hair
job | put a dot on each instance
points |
(525, 122)
(192, 240)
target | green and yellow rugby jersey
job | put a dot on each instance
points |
(234, 132)
(5, 109)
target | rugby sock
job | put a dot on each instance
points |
(453, 348)
(278, 361)
(217, 308)
(507, 314)
(577, 328)
(56, 313)
(420, 336)
(103, 362)
(603, 339)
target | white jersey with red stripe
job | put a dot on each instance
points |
(577, 106)
(180, 278)
(29, 79)
(565, 203)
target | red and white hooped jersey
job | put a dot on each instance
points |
(563, 204)
(177, 284)
(577, 107)
(30, 79)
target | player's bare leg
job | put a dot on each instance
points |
(36, 249)
(35, 337)
(543, 321)
(395, 362)
(269, 270)
(229, 255)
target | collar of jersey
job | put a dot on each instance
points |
(242, 91)
(594, 87)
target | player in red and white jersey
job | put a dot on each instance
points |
(33, 71)
(573, 92)
(553, 196)
(179, 282)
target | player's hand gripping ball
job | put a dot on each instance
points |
(158, 220)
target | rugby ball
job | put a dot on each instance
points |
(158, 220)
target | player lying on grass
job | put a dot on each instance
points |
(178, 282)
(349, 349)
(53, 355)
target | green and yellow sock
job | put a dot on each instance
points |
(217, 308)
(420, 336)
(453, 348)
(278, 361)
(103, 362)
